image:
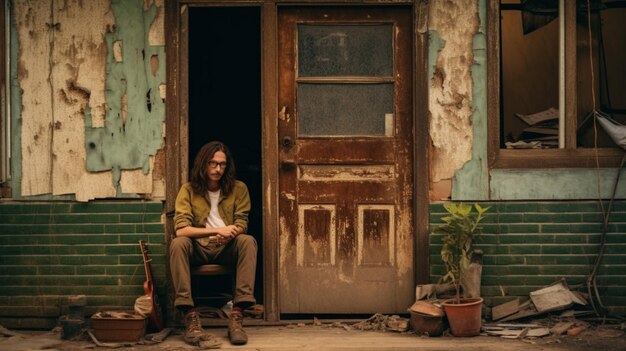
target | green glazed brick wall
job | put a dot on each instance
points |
(532, 244)
(49, 251)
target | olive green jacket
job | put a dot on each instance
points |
(192, 209)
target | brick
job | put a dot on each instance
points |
(74, 260)
(556, 249)
(523, 228)
(564, 270)
(56, 270)
(150, 228)
(526, 238)
(15, 229)
(510, 218)
(586, 249)
(140, 218)
(508, 259)
(122, 249)
(134, 238)
(90, 270)
(612, 270)
(103, 207)
(103, 260)
(486, 239)
(570, 239)
(78, 249)
(586, 228)
(524, 249)
(77, 229)
(518, 207)
(554, 228)
(16, 219)
(120, 228)
(85, 218)
(25, 240)
(540, 259)
(126, 270)
(552, 218)
(18, 270)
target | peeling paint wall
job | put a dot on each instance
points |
(452, 27)
(91, 115)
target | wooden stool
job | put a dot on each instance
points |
(213, 298)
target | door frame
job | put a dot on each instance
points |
(176, 141)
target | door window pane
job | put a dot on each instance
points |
(345, 109)
(345, 50)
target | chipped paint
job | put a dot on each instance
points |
(33, 70)
(472, 181)
(346, 173)
(65, 52)
(156, 35)
(128, 143)
(453, 24)
(117, 51)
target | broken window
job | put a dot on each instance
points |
(560, 65)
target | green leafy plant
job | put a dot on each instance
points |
(461, 228)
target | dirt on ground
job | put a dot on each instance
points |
(578, 335)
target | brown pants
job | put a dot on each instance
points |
(239, 254)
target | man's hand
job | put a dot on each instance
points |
(226, 234)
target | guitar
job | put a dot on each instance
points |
(155, 322)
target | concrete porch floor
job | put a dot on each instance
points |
(311, 337)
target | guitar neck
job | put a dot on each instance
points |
(146, 260)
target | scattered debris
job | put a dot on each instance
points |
(382, 322)
(554, 297)
(561, 327)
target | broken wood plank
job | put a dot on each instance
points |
(554, 297)
(505, 309)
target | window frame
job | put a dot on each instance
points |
(567, 157)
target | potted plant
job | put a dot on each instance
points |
(460, 229)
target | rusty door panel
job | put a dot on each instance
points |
(345, 203)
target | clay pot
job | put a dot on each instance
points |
(464, 317)
(426, 324)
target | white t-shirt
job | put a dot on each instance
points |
(214, 220)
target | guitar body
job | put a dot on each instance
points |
(155, 320)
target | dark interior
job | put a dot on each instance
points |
(225, 97)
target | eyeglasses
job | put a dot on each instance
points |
(214, 164)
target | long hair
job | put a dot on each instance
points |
(199, 174)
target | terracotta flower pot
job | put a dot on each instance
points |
(464, 317)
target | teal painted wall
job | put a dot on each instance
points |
(128, 144)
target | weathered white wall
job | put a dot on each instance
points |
(64, 56)
(452, 27)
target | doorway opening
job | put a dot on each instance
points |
(225, 98)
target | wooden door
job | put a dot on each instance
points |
(346, 162)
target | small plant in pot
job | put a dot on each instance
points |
(460, 229)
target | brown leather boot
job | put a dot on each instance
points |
(193, 328)
(236, 334)
(195, 335)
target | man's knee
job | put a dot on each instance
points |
(181, 244)
(245, 241)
